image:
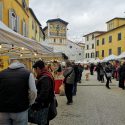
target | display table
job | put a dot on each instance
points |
(58, 83)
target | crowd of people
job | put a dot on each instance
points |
(21, 92)
(108, 71)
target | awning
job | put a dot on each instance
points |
(110, 58)
(16, 45)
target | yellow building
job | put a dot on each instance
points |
(113, 40)
(56, 31)
(35, 28)
(14, 13)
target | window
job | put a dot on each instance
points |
(119, 36)
(103, 41)
(1, 11)
(119, 50)
(24, 4)
(36, 29)
(87, 46)
(60, 40)
(32, 25)
(97, 43)
(110, 51)
(54, 40)
(110, 39)
(25, 28)
(92, 46)
(97, 53)
(92, 36)
(102, 53)
(92, 55)
(13, 20)
(86, 55)
(87, 38)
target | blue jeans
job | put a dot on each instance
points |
(20, 118)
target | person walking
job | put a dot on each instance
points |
(91, 68)
(81, 69)
(69, 79)
(122, 75)
(108, 74)
(17, 92)
(45, 91)
(102, 73)
(98, 71)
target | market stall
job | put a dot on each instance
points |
(16, 46)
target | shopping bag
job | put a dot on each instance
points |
(38, 117)
(61, 90)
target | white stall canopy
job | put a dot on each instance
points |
(121, 56)
(16, 45)
(110, 58)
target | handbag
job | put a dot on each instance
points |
(38, 117)
(109, 75)
(52, 108)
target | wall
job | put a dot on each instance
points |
(114, 44)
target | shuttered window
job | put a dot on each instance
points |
(27, 30)
(1, 11)
(18, 24)
(24, 28)
(13, 21)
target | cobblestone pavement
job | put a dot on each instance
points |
(94, 104)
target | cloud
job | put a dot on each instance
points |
(84, 16)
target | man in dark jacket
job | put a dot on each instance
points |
(45, 90)
(122, 75)
(91, 68)
(17, 92)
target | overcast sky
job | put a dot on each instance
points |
(83, 16)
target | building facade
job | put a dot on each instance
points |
(14, 13)
(56, 32)
(90, 45)
(112, 41)
(56, 37)
(35, 28)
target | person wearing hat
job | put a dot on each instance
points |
(44, 87)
